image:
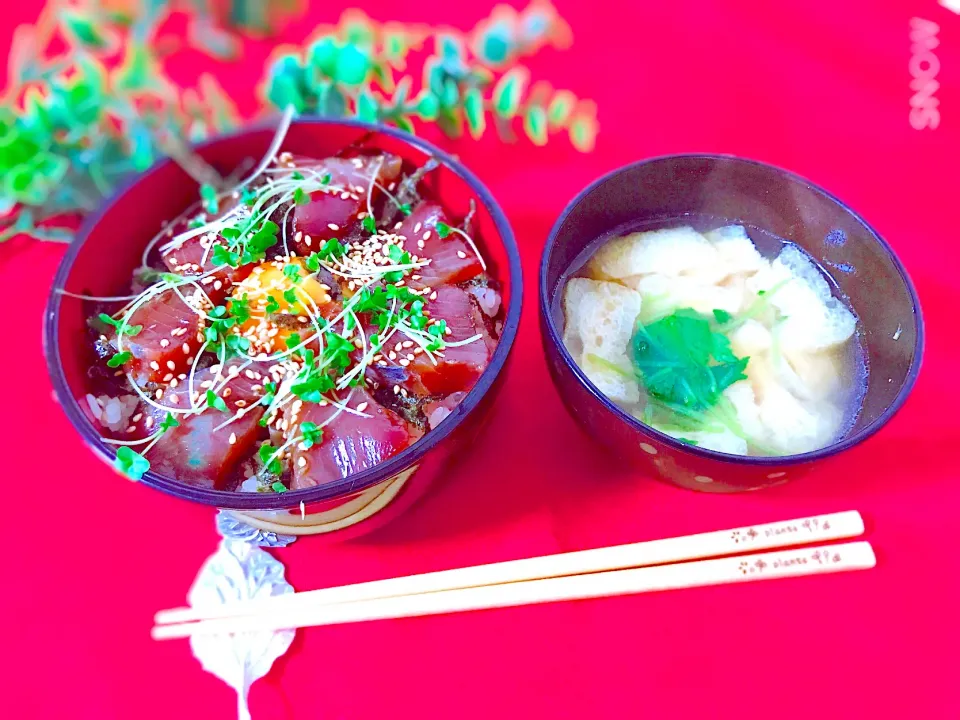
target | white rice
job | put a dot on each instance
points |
(113, 413)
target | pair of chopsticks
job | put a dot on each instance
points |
(713, 558)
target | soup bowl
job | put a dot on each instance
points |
(765, 200)
(108, 249)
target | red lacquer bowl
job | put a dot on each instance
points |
(762, 198)
(109, 246)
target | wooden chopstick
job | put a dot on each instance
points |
(820, 528)
(720, 571)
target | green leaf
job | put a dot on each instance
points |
(286, 84)
(370, 225)
(367, 108)
(560, 108)
(353, 65)
(131, 463)
(311, 434)
(722, 316)
(535, 124)
(474, 112)
(84, 29)
(322, 55)
(222, 256)
(450, 121)
(278, 487)
(583, 132)
(495, 44)
(216, 402)
(427, 106)
(300, 197)
(683, 362)
(508, 92)
(169, 422)
(404, 124)
(119, 359)
(272, 466)
(443, 230)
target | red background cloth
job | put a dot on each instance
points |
(819, 87)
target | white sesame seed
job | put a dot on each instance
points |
(164, 342)
(154, 365)
(186, 348)
(461, 254)
(416, 228)
(333, 226)
(427, 234)
(233, 438)
(404, 362)
(217, 285)
(171, 364)
(361, 407)
(301, 462)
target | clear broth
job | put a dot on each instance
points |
(853, 360)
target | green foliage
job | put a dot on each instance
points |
(79, 120)
(349, 70)
(89, 100)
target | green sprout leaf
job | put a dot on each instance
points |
(443, 230)
(370, 225)
(222, 256)
(119, 359)
(216, 402)
(169, 422)
(275, 467)
(121, 328)
(311, 434)
(131, 463)
(300, 197)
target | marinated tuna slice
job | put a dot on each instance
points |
(452, 260)
(167, 339)
(333, 211)
(456, 368)
(198, 451)
(195, 257)
(350, 444)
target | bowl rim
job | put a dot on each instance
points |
(345, 487)
(844, 443)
